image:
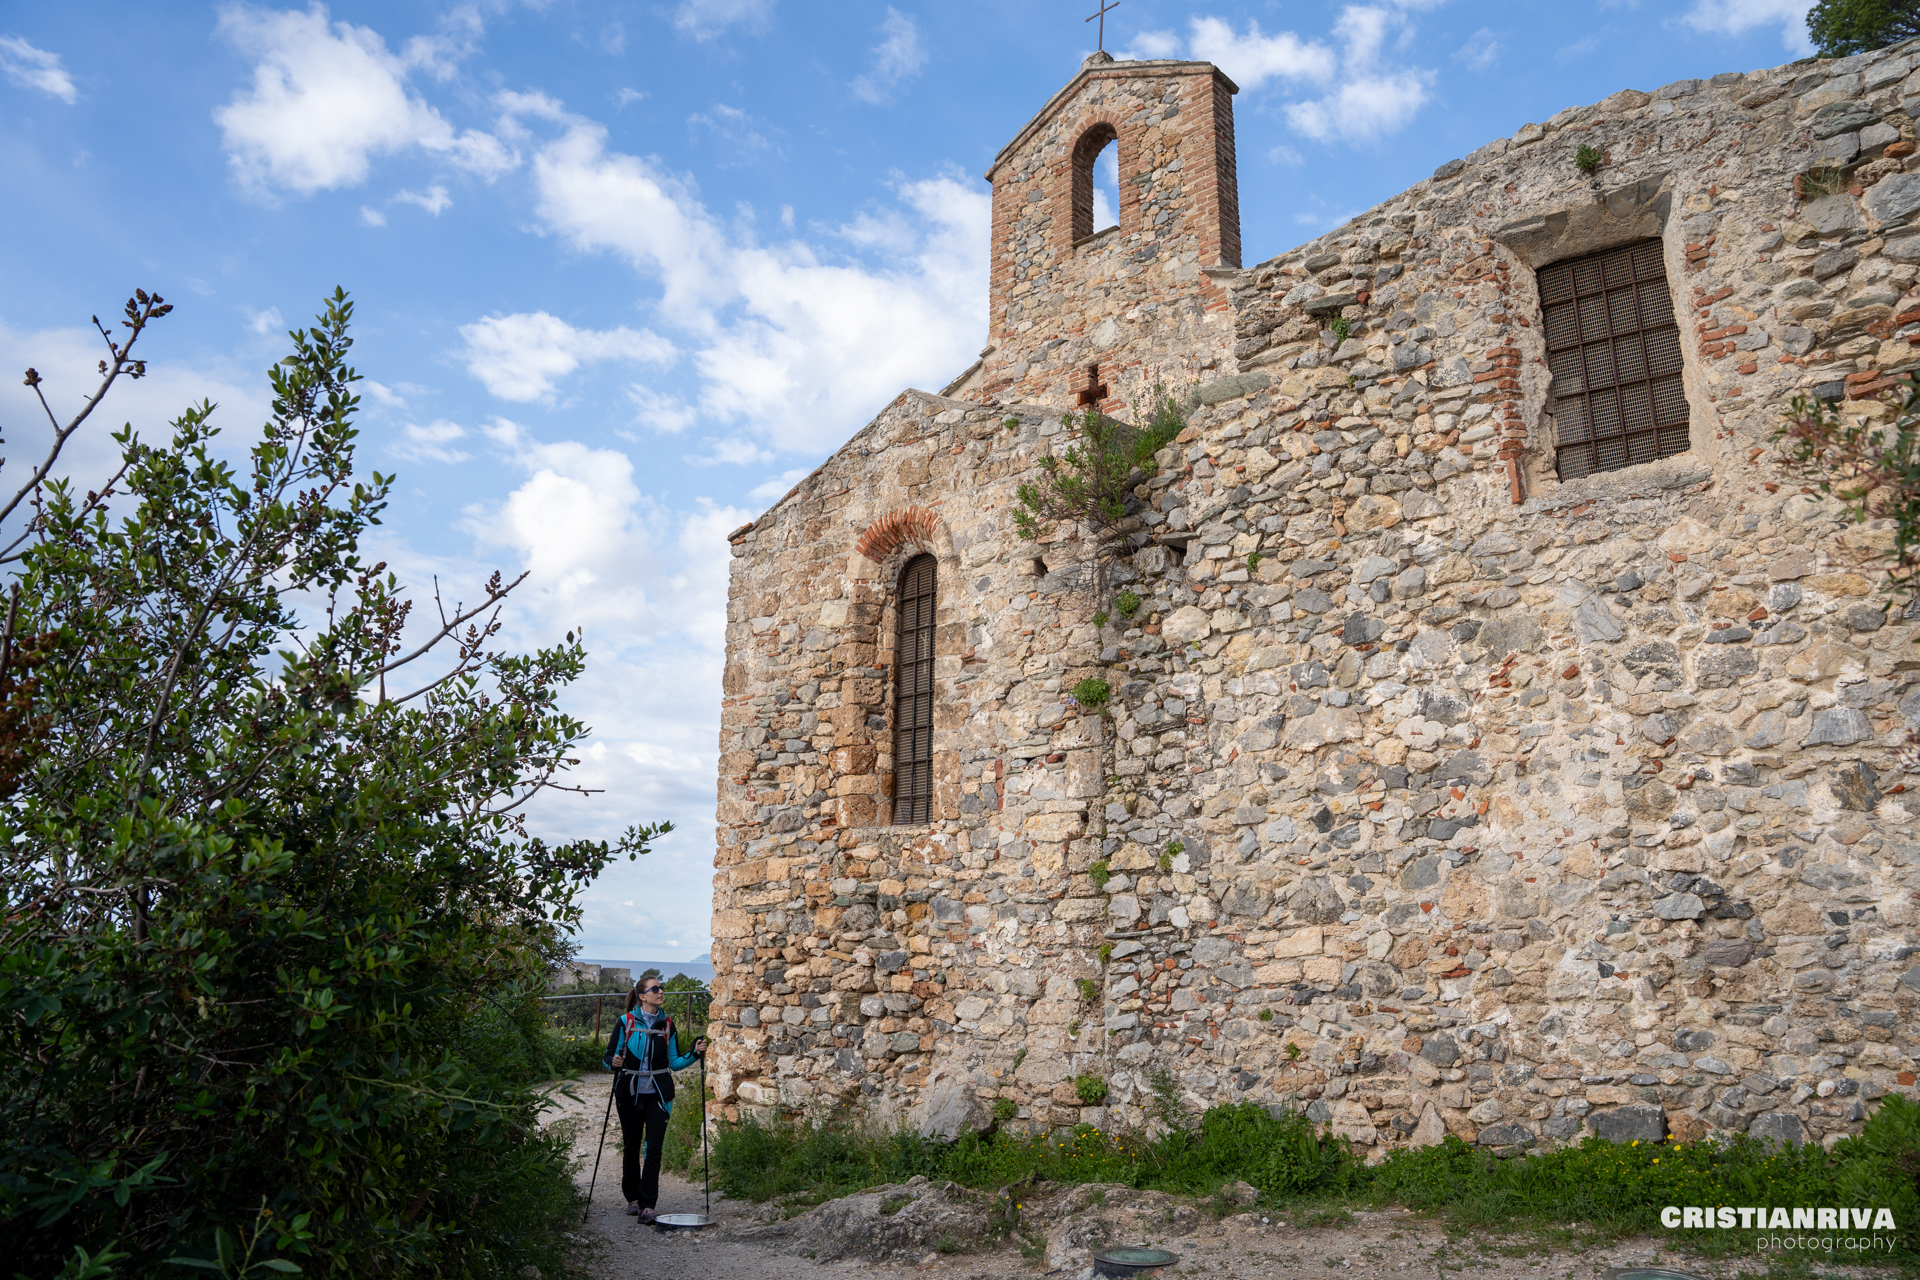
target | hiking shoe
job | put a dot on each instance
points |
(633, 1208)
(646, 1215)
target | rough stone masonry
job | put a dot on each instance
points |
(1436, 793)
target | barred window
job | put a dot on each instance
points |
(913, 694)
(1614, 347)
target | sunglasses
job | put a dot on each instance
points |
(651, 991)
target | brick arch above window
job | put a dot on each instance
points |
(913, 527)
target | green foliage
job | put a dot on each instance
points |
(1073, 1028)
(1100, 873)
(1100, 618)
(1127, 603)
(1174, 849)
(1253, 561)
(1089, 990)
(1089, 484)
(1621, 1187)
(1166, 1105)
(1587, 158)
(1266, 1015)
(1827, 180)
(1873, 471)
(1092, 692)
(271, 932)
(1106, 952)
(680, 1153)
(1090, 1089)
(1005, 1109)
(1842, 27)
(1341, 328)
(1293, 1051)
(1020, 1056)
(1614, 1187)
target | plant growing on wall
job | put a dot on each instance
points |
(1088, 485)
(1587, 158)
(1090, 1089)
(1873, 471)
(1093, 693)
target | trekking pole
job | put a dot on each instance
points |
(706, 1173)
(601, 1149)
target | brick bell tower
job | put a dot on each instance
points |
(1064, 293)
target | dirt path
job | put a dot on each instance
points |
(1390, 1244)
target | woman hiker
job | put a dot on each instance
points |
(643, 1056)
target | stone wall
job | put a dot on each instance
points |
(1435, 794)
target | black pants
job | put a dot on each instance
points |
(641, 1117)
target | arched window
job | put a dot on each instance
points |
(1085, 153)
(913, 694)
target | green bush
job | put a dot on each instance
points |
(271, 936)
(1127, 603)
(1092, 692)
(1090, 1089)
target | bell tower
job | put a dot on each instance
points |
(1056, 279)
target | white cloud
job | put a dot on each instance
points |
(1737, 17)
(32, 68)
(664, 413)
(326, 99)
(372, 217)
(435, 201)
(1480, 51)
(733, 135)
(1151, 44)
(626, 98)
(519, 356)
(770, 490)
(705, 19)
(431, 443)
(793, 341)
(264, 322)
(1253, 59)
(1106, 185)
(383, 394)
(898, 57)
(1371, 99)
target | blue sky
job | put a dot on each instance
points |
(626, 271)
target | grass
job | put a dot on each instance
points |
(1592, 1191)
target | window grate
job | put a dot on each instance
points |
(1614, 347)
(913, 694)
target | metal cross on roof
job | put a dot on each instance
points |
(1102, 15)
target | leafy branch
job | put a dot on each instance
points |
(1089, 485)
(1873, 471)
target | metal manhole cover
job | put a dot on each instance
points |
(1130, 1260)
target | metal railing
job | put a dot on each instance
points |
(594, 1013)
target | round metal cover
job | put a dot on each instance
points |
(682, 1221)
(1647, 1273)
(1129, 1260)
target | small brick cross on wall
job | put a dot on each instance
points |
(1095, 391)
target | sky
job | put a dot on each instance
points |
(625, 272)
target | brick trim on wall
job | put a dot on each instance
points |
(894, 529)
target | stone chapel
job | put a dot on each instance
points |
(1499, 742)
